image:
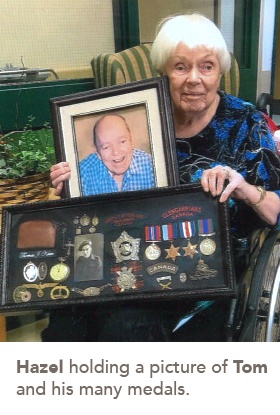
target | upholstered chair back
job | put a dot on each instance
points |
(134, 64)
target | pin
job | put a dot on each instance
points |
(126, 247)
(203, 271)
(165, 285)
(90, 291)
(126, 280)
(60, 292)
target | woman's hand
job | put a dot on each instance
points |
(214, 181)
(58, 174)
(225, 182)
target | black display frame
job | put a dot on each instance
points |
(196, 257)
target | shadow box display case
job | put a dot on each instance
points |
(164, 243)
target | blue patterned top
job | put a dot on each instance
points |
(96, 178)
(237, 136)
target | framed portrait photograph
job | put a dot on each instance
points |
(118, 138)
(160, 243)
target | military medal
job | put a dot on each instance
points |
(85, 220)
(172, 252)
(169, 233)
(205, 228)
(60, 272)
(207, 246)
(95, 220)
(190, 250)
(126, 248)
(153, 234)
(126, 280)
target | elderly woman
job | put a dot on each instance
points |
(221, 141)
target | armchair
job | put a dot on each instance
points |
(135, 64)
(268, 105)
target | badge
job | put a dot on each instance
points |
(30, 272)
(126, 280)
(90, 291)
(21, 294)
(203, 271)
(40, 287)
(165, 282)
(207, 246)
(68, 245)
(183, 277)
(126, 248)
(60, 292)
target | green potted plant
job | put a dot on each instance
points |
(25, 160)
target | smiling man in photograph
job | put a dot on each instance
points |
(116, 165)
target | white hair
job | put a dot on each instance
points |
(192, 30)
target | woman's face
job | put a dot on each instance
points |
(194, 77)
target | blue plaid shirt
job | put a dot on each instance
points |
(96, 178)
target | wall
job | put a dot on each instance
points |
(56, 34)
(150, 13)
(266, 34)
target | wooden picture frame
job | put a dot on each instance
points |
(146, 108)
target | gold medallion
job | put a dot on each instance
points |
(85, 220)
(95, 220)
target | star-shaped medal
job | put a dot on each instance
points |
(190, 250)
(172, 252)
